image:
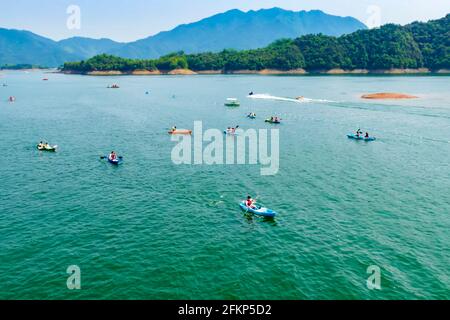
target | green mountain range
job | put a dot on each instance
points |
(417, 45)
(233, 29)
(239, 30)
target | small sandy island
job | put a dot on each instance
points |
(388, 95)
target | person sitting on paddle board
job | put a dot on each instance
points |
(250, 202)
(112, 156)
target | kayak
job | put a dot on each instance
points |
(181, 132)
(114, 161)
(274, 122)
(258, 210)
(355, 137)
(231, 133)
(51, 149)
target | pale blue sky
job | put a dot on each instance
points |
(134, 19)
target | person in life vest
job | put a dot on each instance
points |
(358, 132)
(250, 202)
(113, 156)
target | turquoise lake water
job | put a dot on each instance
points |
(150, 229)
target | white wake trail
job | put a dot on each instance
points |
(266, 96)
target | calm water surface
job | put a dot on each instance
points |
(149, 229)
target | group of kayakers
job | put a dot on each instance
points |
(359, 133)
(231, 130)
(274, 119)
(44, 145)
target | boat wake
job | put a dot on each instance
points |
(265, 96)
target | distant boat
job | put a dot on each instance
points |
(232, 102)
(45, 79)
(114, 86)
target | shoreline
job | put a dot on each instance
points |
(420, 71)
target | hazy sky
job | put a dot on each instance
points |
(134, 19)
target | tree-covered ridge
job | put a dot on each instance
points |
(20, 67)
(391, 46)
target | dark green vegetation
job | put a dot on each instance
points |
(413, 46)
(20, 67)
(232, 29)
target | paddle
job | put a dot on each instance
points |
(105, 157)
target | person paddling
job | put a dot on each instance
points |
(250, 202)
(358, 132)
(112, 156)
(367, 135)
(174, 128)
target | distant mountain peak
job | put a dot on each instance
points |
(233, 29)
(239, 30)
